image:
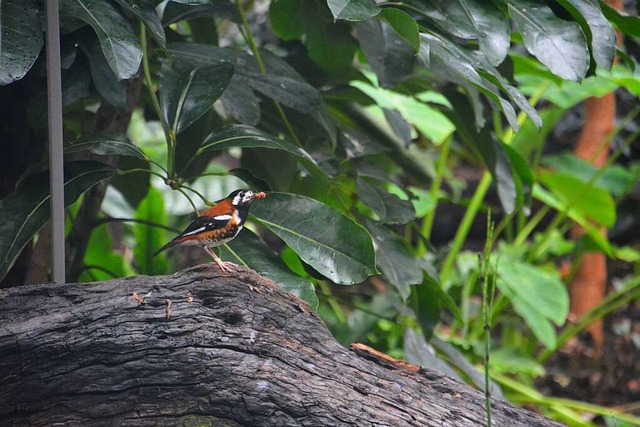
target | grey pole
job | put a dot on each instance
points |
(56, 160)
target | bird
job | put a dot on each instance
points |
(217, 225)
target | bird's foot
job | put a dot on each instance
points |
(225, 265)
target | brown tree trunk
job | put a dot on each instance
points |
(590, 281)
(205, 347)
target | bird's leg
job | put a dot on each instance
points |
(224, 266)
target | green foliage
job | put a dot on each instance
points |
(27, 209)
(21, 39)
(149, 238)
(353, 118)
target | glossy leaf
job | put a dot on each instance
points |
(290, 93)
(113, 91)
(248, 137)
(149, 238)
(252, 180)
(358, 144)
(403, 24)
(186, 94)
(146, 12)
(119, 44)
(280, 83)
(598, 29)
(27, 209)
(388, 207)
(558, 44)
(249, 250)
(240, 102)
(395, 258)
(390, 56)
(179, 11)
(480, 20)
(538, 295)
(316, 232)
(457, 65)
(353, 10)
(106, 145)
(21, 38)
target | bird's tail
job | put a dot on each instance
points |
(165, 247)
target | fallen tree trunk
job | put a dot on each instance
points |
(205, 347)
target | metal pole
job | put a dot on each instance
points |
(56, 160)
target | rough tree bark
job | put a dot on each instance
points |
(230, 349)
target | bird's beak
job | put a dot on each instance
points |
(260, 195)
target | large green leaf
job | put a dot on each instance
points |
(389, 55)
(395, 258)
(591, 201)
(248, 137)
(27, 209)
(149, 238)
(119, 44)
(559, 203)
(290, 93)
(179, 11)
(457, 65)
(388, 207)
(538, 295)
(404, 25)
(106, 145)
(249, 250)
(20, 38)
(615, 179)
(597, 28)
(481, 20)
(331, 46)
(329, 43)
(288, 18)
(558, 44)
(100, 260)
(323, 237)
(353, 10)
(113, 91)
(187, 93)
(280, 83)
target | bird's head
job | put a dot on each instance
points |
(241, 198)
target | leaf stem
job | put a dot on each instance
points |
(434, 192)
(488, 283)
(465, 226)
(197, 193)
(246, 32)
(170, 136)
